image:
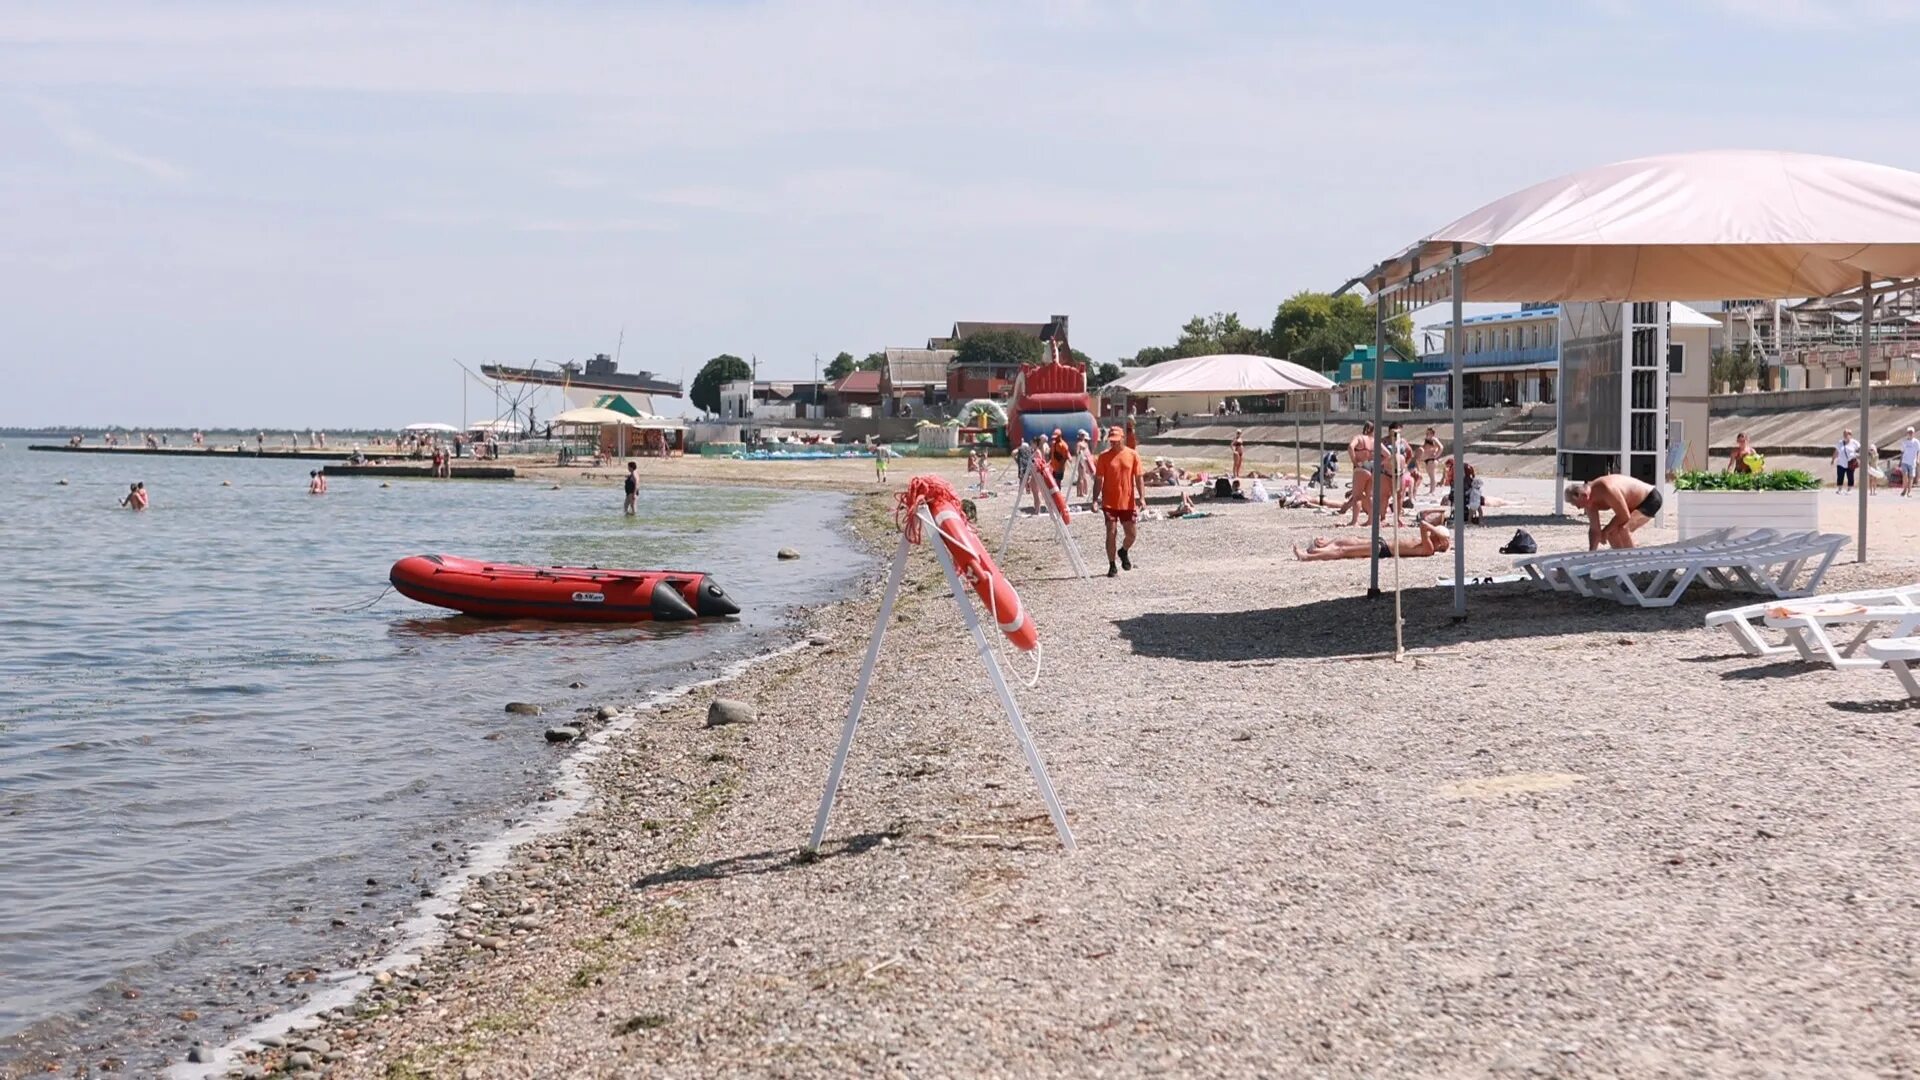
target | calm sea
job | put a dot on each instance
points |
(218, 766)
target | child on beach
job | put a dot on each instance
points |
(633, 489)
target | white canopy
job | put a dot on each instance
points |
(1721, 223)
(443, 428)
(589, 415)
(493, 426)
(1224, 375)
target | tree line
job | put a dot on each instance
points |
(1313, 329)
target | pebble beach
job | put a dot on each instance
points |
(1561, 838)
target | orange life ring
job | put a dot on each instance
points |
(970, 558)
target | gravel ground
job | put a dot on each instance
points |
(1561, 838)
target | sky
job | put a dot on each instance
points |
(300, 215)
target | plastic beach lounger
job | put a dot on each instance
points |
(1900, 655)
(1790, 566)
(1744, 623)
(1598, 577)
(1806, 628)
(1554, 571)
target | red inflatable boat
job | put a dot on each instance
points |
(566, 593)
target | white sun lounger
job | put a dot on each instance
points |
(1900, 654)
(1550, 571)
(1788, 566)
(1599, 576)
(1806, 627)
(1744, 622)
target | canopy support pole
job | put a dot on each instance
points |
(1455, 358)
(1325, 396)
(1869, 457)
(1379, 421)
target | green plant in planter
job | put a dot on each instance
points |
(1780, 480)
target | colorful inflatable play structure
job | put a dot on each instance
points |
(1051, 395)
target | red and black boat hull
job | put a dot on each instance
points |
(561, 593)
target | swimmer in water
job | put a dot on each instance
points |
(136, 497)
(316, 483)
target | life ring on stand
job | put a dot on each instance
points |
(970, 558)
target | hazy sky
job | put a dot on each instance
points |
(289, 214)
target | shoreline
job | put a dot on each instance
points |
(425, 927)
(1295, 856)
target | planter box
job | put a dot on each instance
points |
(1788, 511)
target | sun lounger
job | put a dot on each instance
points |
(1549, 569)
(1806, 627)
(1595, 576)
(1899, 654)
(1788, 566)
(1744, 622)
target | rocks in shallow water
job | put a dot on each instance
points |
(562, 734)
(299, 1061)
(816, 642)
(576, 685)
(788, 553)
(606, 712)
(729, 711)
(199, 1055)
(523, 708)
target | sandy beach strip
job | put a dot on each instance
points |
(1562, 838)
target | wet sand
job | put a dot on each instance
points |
(1563, 837)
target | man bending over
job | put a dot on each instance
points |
(1633, 502)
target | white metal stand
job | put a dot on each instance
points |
(1036, 478)
(987, 660)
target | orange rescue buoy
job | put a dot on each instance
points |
(970, 558)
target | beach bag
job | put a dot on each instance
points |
(1260, 494)
(1521, 544)
(1222, 487)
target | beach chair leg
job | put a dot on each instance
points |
(1797, 637)
(860, 693)
(999, 679)
(1903, 670)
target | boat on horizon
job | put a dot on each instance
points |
(599, 373)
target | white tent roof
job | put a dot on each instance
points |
(1225, 374)
(448, 428)
(1746, 223)
(1679, 314)
(590, 415)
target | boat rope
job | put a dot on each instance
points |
(363, 605)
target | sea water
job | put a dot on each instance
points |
(223, 763)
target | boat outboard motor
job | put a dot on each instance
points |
(711, 599)
(667, 603)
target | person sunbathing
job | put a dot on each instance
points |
(1432, 540)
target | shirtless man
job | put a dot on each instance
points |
(1360, 453)
(1633, 502)
(1433, 540)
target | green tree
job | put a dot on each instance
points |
(1206, 335)
(1732, 370)
(1100, 375)
(1001, 347)
(874, 361)
(1081, 358)
(1316, 329)
(724, 368)
(840, 367)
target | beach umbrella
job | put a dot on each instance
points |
(1750, 224)
(422, 429)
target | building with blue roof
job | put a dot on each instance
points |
(1509, 358)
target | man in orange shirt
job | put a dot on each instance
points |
(1061, 453)
(1120, 490)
